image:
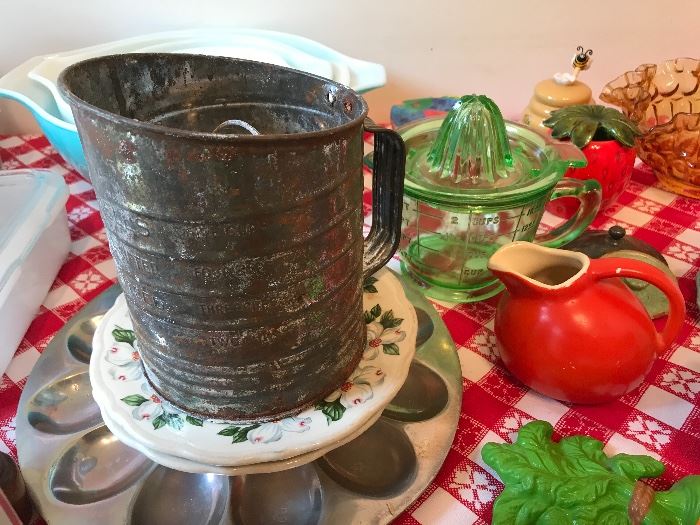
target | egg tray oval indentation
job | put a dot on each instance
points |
(64, 406)
(79, 338)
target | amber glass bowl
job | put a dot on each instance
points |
(664, 100)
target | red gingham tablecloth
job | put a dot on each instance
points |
(661, 418)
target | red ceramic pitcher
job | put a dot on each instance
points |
(569, 328)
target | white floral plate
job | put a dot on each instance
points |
(121, 391)
(186, 465)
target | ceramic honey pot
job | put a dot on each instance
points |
(559, 91)
(569, 328)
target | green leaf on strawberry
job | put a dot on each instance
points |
(586, 122)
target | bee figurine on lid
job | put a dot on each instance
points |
(582, 60)
(563, 89)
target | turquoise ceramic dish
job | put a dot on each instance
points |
(33, 83)
(16, 85)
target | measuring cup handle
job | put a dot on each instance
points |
(589, 193)
(387, 191)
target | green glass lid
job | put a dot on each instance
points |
(474, 157)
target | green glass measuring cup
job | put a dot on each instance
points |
(475, 182)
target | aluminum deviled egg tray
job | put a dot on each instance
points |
(79, 472)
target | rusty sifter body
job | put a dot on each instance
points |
(240, 256)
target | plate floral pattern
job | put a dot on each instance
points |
(121, 389)
(186, 465)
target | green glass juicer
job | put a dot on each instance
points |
(475, 182)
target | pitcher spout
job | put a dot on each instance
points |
(527, 268)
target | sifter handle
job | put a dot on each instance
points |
(387, 197)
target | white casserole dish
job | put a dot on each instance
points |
(34, 242)
(272, 47)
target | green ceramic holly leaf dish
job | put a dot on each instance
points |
(574, 482)
(583, 123)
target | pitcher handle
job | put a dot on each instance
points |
(620, 267)
(586, 191)
(388, 171)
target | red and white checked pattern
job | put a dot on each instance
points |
(88, 271)
(661, 418)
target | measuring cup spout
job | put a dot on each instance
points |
(526, 268)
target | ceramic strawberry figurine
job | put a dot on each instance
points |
(606, 138)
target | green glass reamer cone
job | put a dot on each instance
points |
(472, 145)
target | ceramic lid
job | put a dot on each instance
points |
(596, 243)
(473, 156)
(558, 94)
(654, 300)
